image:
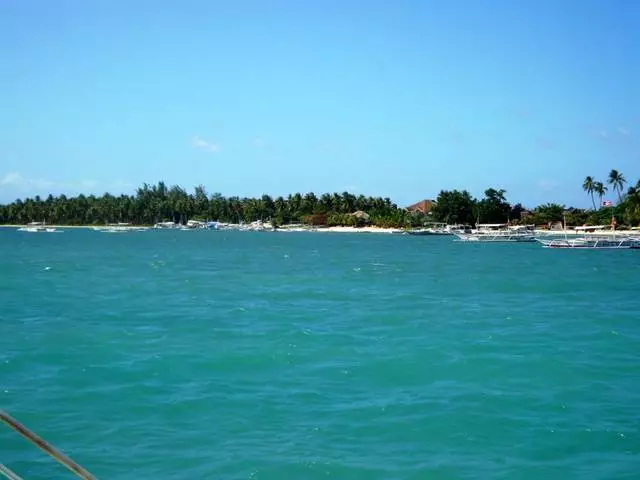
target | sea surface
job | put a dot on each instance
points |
(234, 355)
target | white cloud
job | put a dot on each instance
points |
(16, 180)
(205, 145)
(15, 183)
(624, 131)
(13, 178)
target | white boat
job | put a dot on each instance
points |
(435, 228)
(38, 227)
(592, 243)
(498, 233)
(590, 240)
(166, 225)
(119, 228)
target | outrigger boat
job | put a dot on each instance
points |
(436, 228)
(498, 233)
(592, 241)
(38, 227)
(597, 243)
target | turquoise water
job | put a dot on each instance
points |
(176, 355)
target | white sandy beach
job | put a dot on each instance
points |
(600, 233)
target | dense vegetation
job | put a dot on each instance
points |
(155, 203)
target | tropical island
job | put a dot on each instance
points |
(157, 203)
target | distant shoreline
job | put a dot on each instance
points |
(76, 226)
(339, 229)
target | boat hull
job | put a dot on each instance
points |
(488, 238)
(591, 244)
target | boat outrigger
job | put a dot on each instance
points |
(498, 233)
(38, 227)
(591, 240)
(436, 228)
(596, 243)
(45, 446)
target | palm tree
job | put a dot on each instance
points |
(617, 181)
(632, 210)
(588, 186)
(600, 190)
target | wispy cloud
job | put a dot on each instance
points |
(16, 183)
(16, 180)
(12, 178)
(205, 145)
(611, 134)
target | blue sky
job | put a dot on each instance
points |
(398, 99)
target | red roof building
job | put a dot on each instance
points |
(424, 206)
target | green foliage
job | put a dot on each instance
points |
(617, 182)
(494, 208)
(516, 212)
(576, 217)
(544, 214)
(604, 215)
(627, 211)
(155, 203)
(588, 186)
(454, 207)
(600, 190)
(631, 205)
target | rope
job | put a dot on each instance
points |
(8, 473)
(43, 445)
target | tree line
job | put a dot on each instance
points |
(155, 203)
(460, 207)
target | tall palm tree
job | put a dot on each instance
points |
(599, 189)
(617, 181)
(588, 186)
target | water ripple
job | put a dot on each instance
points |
(225, 355)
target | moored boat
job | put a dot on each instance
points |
(498, 233)
(594, 243)
(433, 228)
(38, 227)
(589, 240)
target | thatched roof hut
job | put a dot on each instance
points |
(360, 215)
